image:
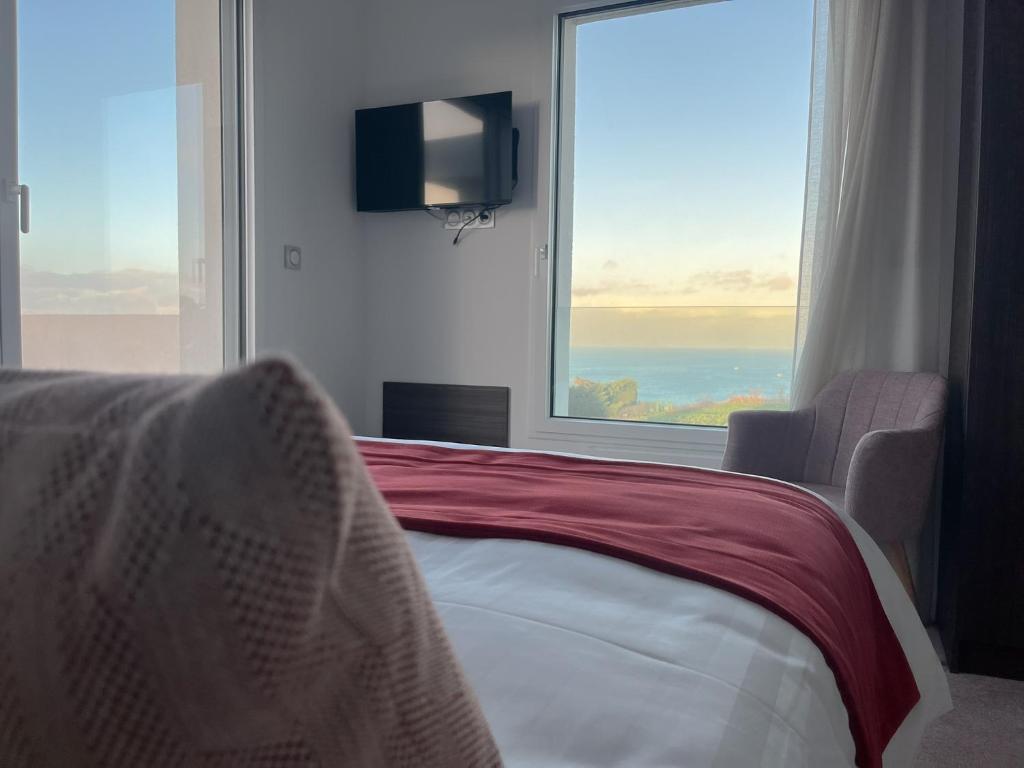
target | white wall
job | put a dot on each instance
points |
(307, 78)
(386, 296)
(437, 313)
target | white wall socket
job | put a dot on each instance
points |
(457, 218)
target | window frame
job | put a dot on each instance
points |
(236, 179)
(674, 443)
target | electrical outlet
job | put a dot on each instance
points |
(470, 218)
(292, 257)
(486, 219)
(458, 218)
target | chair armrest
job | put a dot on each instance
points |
(890, 482)
(769, 443)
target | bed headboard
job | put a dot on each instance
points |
(447, 412)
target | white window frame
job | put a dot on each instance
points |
(675, 443)
(238, 192)
(232, 178)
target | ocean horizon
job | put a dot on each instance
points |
(684, 376)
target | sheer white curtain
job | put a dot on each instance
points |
(876, 272)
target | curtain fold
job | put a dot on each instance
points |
(877, 258)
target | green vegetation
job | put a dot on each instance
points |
(619, 400)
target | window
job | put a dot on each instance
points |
(680, 194)
(120, 105)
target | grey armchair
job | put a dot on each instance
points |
(869, 444)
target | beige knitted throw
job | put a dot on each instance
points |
(198, 572)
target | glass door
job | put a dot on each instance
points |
(122, 254)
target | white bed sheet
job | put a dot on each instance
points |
(585, 660)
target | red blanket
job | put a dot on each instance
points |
(770, 543)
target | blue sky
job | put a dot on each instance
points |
(98, 134)
(691, 142)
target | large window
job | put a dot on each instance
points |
(682, 161)
(126, 266)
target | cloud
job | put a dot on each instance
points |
(610, 265)
(742, 280)
(732, 281)
(632, 287)
(125, 292)
(778, 283)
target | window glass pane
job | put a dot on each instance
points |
(684, 150)
(120, 140)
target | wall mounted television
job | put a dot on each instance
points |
(437, 154)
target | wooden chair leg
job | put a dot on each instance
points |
(897, 555)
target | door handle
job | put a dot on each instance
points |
(21, 192)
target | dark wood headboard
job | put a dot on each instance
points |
(447, 412)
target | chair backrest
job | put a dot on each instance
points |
(858, 402)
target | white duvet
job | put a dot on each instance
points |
(584, 660)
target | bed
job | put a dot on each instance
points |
(584, 659)
(206, 563)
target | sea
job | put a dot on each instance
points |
(686, 376)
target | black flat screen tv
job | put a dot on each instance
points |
(436, 154)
